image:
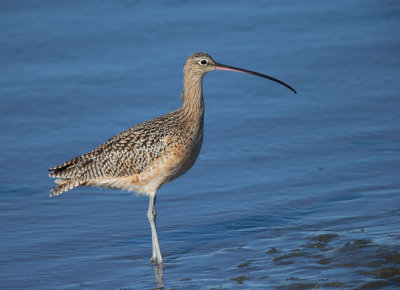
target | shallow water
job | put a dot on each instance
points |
(290, 191)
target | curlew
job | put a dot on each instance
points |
(149, 155)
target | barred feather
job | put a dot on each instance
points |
(148, 155)
(129, 153)
(64, 186)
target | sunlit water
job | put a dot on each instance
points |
(292, 191)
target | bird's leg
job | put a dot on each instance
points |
(151, 214)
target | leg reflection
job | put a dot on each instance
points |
(159, 273)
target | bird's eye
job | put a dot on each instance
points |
(203, 62)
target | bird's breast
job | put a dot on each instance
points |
(185, 151)
(183, 148)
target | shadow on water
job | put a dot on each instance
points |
(321, 260)
(336, 262)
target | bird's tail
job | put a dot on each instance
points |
(65, 185)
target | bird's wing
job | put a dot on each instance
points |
(126, 154)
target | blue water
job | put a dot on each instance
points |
(290, 191)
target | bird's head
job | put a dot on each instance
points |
(200, 63)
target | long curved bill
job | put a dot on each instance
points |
(219, 66)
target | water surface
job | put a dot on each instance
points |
(290, 191)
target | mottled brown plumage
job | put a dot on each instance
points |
(173, 141)
(153, 153)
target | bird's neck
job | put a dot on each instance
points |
(192, 96)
